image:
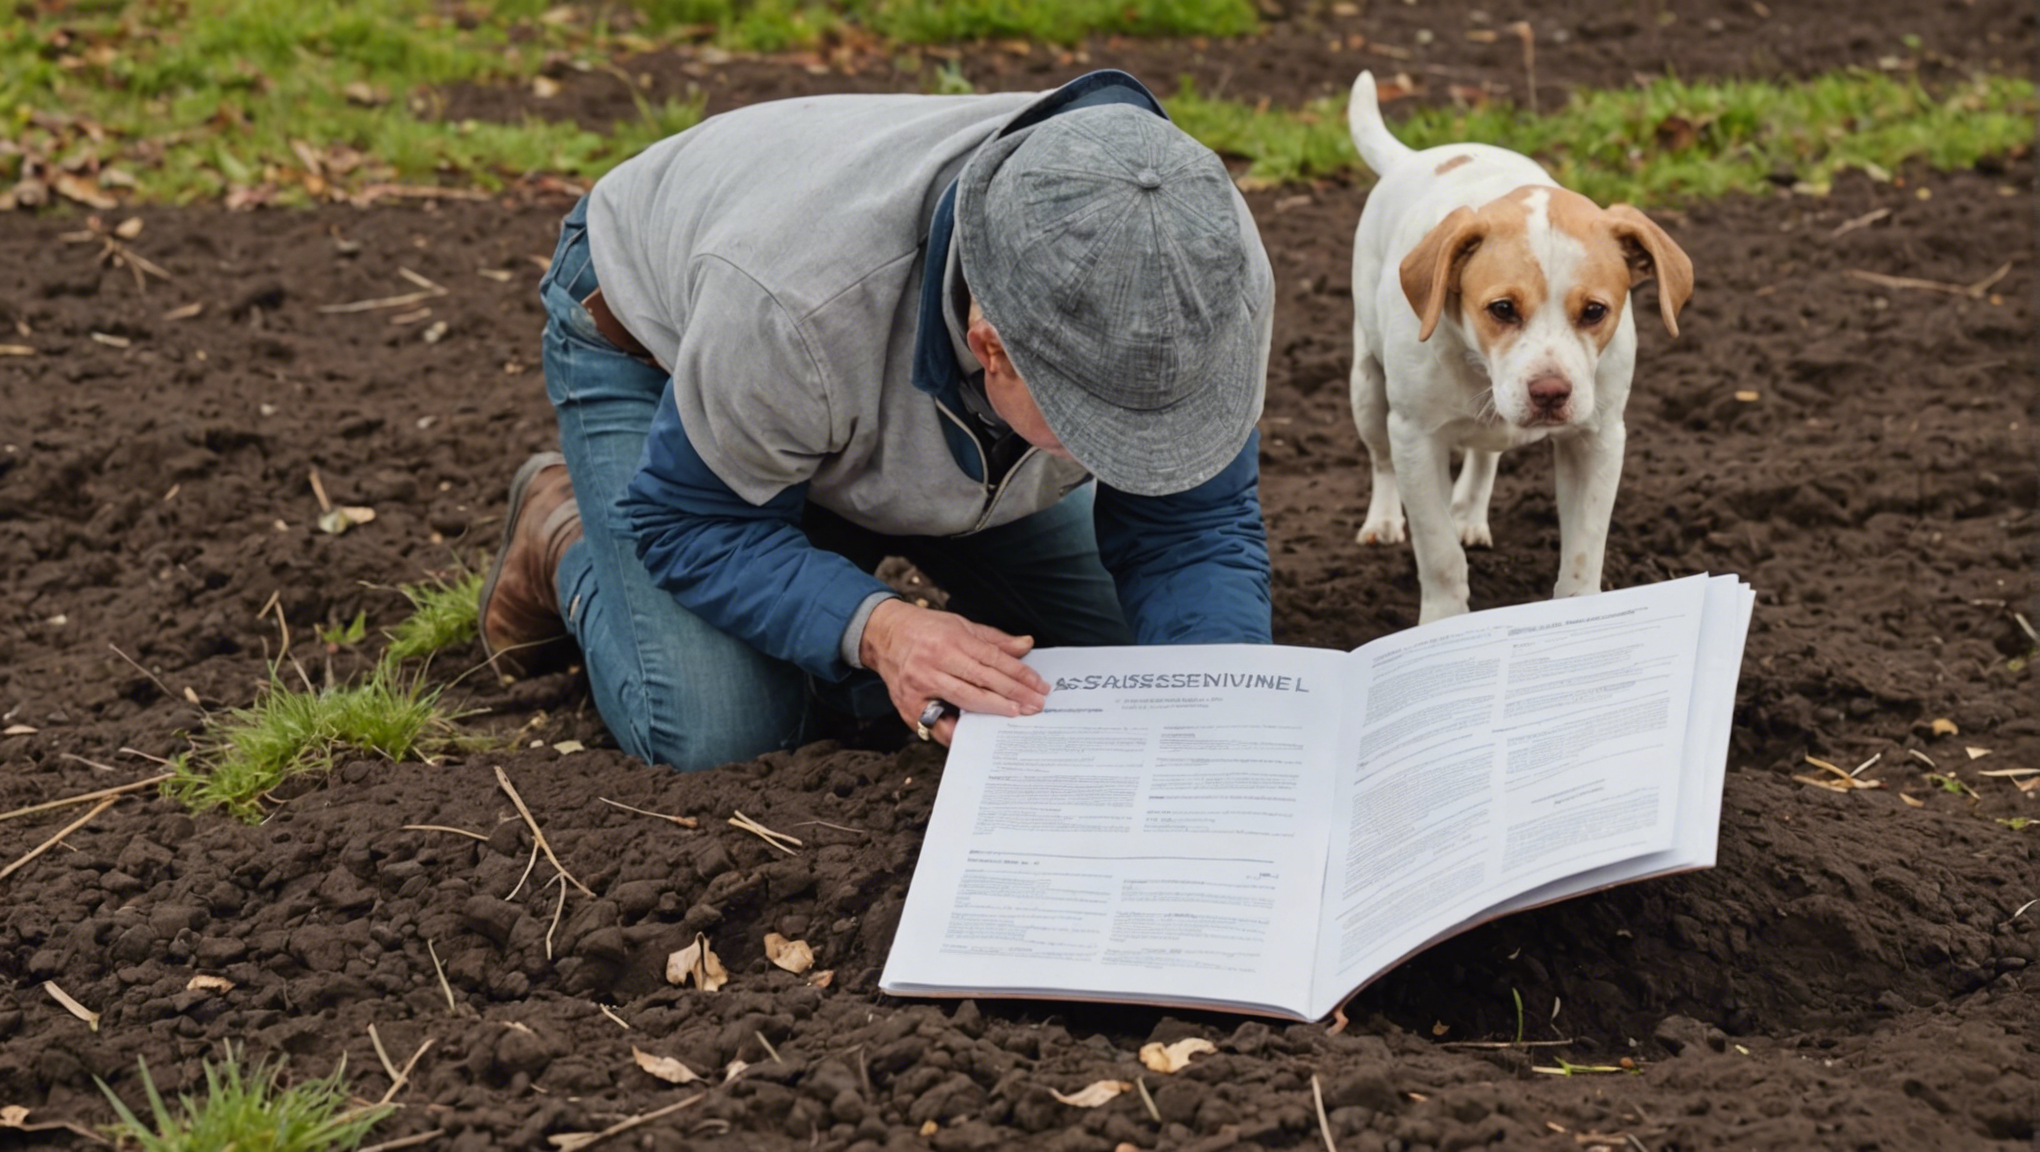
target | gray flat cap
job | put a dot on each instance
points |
(1106, 246)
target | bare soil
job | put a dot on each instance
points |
(1858, 972)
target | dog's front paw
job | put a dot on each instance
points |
(1440, 608)
(1381, 530)
(1475, 534)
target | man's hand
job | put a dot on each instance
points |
(924, 655)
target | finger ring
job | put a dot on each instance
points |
(930, 715)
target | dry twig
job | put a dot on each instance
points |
(683, 821)
(114, 250)
(84, 796)
(71, 1005)
(445, 828)
(452, 1008)
(144, 671)
(1863, 221)
(1147, 1100)
(53, 841)
(403, 1075)
(503, 778)
(570, 1141)
(1528, 36)
(427, 291)
(555, 925)
(1317, 1095)
(382, 1053)
(1973, 291)
(529, 864)
(740, 820)
(837, 827)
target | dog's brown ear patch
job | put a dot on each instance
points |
(1430, 273)
(1650, 252)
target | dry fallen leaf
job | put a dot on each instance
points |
(664, 1067)
(823, 978)
(17, 730)
(12, 1116)
(83, 190)
(1843, 781)
(1911, 801)
(1092, 1095)
(793, 955)
(735, 1070)
(569, 747)
(1976, 753)
(1840, 784)
(1171, 1057)
(929, 1127)
(341, 517)
(699, 963)
(1943, 726)
(204, 983)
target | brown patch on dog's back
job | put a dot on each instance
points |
(1455, 162)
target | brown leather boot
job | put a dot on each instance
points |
(520, 612)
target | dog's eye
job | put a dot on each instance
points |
(1504, 311)
(1593, 313)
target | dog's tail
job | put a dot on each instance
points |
(1371, 137)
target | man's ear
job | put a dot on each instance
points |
(984, 341)
(1430, 273)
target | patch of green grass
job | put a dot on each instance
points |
(338, 636)
(290, 101)
(1667, 141)
(442, 615)
(246, 1110)
(775, 25)
(239, 760)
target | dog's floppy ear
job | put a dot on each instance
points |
(1649, 252)
(1430, 272)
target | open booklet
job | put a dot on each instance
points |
(1266, 829)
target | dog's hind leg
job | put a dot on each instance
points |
(1470, 495)
(1384, 523)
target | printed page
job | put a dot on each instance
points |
(1157, 834)
(1497, 751)
(1723, 629)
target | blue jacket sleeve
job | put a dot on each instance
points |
(1192, 567)
(747, 569)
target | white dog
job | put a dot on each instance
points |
(1491, 311)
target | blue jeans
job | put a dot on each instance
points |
(674, 689)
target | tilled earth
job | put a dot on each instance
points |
(1858, 971)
